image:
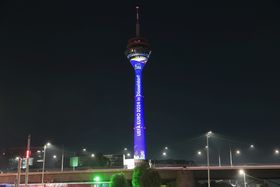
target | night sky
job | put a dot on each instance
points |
(64, 76)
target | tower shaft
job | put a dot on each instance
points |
(138, 52)
(139, 127)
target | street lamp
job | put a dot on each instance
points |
(207, 144)
(54, 156)
(92, 155)
(238, 152)
(276, 152)
(199, 153)
(164, 154)
(242, 172)
(252, 146)
(44, 160)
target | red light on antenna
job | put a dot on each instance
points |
(28, 154)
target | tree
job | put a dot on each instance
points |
(144, 176)
(150, 178)
(137, 173)
(118, 180)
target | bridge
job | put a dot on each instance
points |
(184, 176)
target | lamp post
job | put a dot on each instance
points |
(19, 171)
(207, 144)
(242, 172)
(62, 159)
(44, 161)
(220, 163)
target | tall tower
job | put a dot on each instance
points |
(138, 52)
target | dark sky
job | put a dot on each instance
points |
(64, 76)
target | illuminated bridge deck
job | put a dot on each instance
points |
(166, 173)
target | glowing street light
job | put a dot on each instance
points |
(252, 146)
(44, 160)
(125, 149)
(84, 149)
(276, 152)
(166, 148)
(242, 172)
(92, 155)
(238, 152)
(199, 153)
(164, 154)
(54, 156)
(128, 154)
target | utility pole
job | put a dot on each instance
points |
(27, 160)
(220, 164)
(18, 172)
(208, 135)
(62, 159)
(230, 156)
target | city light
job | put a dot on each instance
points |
(166, 148)
(276, 151)
(199, 153)
(238, 152)
(84, 149)
(54, 156)
(252, 146)
(92, 155)
(241, 172)
(164, 154)
(209, 133)
(97, 179)
(125, 149)
(48, 144)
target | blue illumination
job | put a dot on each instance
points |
(139, 127)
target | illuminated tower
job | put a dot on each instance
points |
(138, 52)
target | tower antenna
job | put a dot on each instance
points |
(137, 22)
